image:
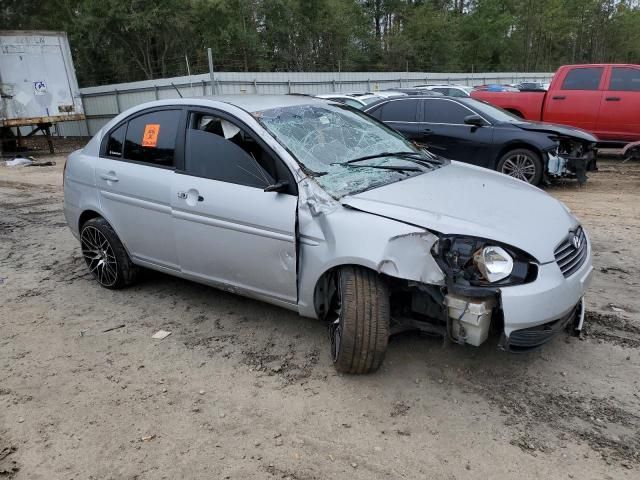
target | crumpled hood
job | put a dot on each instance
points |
(468, 200)
(553, 128)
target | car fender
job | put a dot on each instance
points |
(344, 236)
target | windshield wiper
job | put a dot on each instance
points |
(416, 157)
(396, 168)
(430, 159)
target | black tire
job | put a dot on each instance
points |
(523, 164)
(359, 321)
(106, 257)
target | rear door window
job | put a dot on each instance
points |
(151, 137)
(583, 79)
(221, 150)
(445, 111)
(399, 111)
(625, 79)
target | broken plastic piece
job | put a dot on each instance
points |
(160, 334)
(409, 257)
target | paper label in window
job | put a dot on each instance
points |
(150, 135)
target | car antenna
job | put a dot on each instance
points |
(173, 85)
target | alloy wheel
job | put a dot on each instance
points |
(520, 166)
(99, 256)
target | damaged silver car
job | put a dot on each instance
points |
(321, 209)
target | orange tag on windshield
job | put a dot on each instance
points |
(150, 136)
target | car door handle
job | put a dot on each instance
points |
(185, 195)
(612, 99)
(558, 97)
(109, 177)
(426, 131)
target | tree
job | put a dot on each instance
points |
(126, 40)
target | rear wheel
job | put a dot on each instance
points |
(105, 255)
(522, 164)
(359, 318)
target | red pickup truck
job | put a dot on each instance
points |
(603, 99)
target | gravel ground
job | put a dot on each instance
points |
(245, 390)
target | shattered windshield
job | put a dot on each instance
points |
(327, 138)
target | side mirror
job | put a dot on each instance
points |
(475, 120)
(278, 187)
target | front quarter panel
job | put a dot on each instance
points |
(332, 235)
(506, 137)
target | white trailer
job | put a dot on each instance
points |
(38, 85)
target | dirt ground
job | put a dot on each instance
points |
(245, 390)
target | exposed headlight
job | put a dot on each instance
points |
(494, 263)
(472, 262)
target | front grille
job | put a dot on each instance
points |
(572, 252)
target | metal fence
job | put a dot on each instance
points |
(104, 102)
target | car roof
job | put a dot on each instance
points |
(468, 101)
(448, 85)
(336, 95)
(248, 103)
(256, 103)
(415, 91)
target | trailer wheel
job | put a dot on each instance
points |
(359, 317)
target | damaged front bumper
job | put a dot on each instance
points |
(532, 314)
(533, 337)
(550, 299)
(571, 159)
(528, 314)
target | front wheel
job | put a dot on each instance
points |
(359, 318)
(522, 164)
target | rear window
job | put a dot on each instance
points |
(399, 111)
(583, 79)
(625, 79)
(151, 138)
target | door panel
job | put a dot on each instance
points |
(465, 143)
(228, 230)
(236, 235)
(577, 101)
(135, 200)
(619, 117)
(446, 134)
(134, 176)
(402, 115)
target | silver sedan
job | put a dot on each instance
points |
(316, 207)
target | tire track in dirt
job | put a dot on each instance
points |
(609, 428)
(611, 329)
